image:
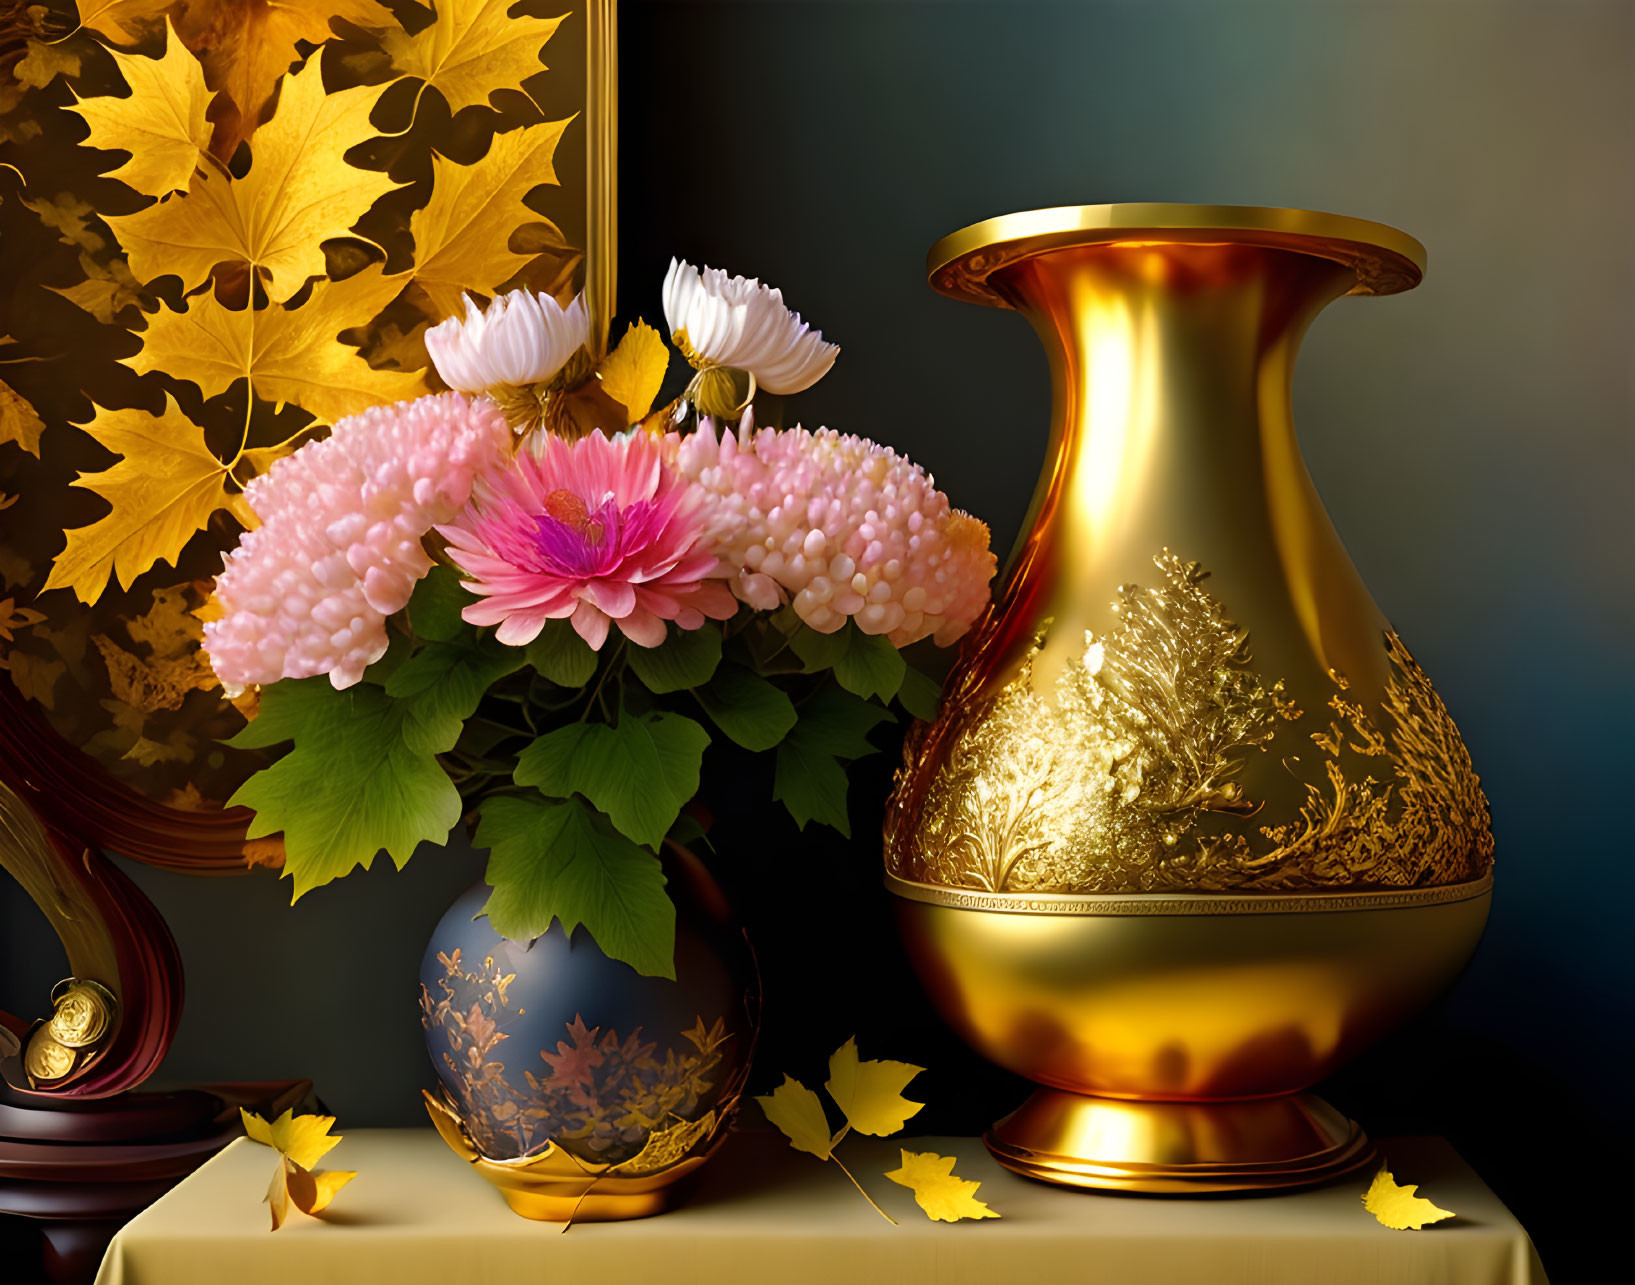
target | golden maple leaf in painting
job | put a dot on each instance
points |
(474, 48)
(160, 123)
(162, 491)
(19, 421)
(297, 194)
(287, 354)
(246, 45)
(462, 234)
(122, 21)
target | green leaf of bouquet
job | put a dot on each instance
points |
(871, 666)
(350, 785)
(556, 859)
(686, 658)
(561, 655)
(811, 785)
(435, 605)
(820, 651)
(808, 778)
(838, 723)
(750, 710)
(867, 664)
(399, 646)
(920, 694)
(640, 771)
(444, 682)
(689, 829)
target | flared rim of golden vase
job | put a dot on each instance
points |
(1385, 259)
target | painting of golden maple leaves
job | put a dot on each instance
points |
(225, 224)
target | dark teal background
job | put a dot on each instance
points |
(1473, 441)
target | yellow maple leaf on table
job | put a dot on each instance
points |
(301, 1141)
(798, 1114)
(633, 373)
(870, 1094)
(461, 235)
(473, 48)
(298, 193)
(19, 421)
(945, 1197)
(161, 123)
(162, 491)
(246, 45)
(1398, 1207)
(287, 354)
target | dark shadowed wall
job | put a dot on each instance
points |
(1473, 441)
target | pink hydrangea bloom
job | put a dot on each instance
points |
(599, 531)
(846, 528)
(339, 547)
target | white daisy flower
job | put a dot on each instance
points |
(520, 339)
(717, 320)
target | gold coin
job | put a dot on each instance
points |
(82, 1015)
(46, 1059)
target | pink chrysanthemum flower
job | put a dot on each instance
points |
(847, 528)
(602, 532)
(339, 548)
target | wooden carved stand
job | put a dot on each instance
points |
(81, 1150)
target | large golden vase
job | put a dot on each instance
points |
(1192, 828)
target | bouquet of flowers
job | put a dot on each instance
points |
(528, 600)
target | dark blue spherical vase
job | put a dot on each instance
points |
(552, 1042)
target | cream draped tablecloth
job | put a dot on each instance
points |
(418, 1214)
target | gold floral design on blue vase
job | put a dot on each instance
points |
(596, 1094)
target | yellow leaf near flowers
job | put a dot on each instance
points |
(472, 48)
(461, 235)
(289, 354)
(246, 45)
(165, 489)
(301, 1141)
(871, 1093)
(121, 21)
(633, 373)
(798, 1114)
(19, 421)
(161, 124)
(945, 1197)
(1397, 1207)
(299, 192)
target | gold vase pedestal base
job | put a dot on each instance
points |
(1178, 1148)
